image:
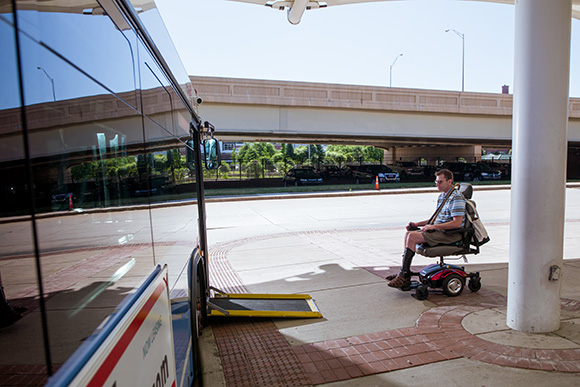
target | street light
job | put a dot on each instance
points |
(462, 36)
(391, 70)
(51, 81)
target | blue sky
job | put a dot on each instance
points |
(353, 44)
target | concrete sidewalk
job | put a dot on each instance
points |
(337, 247)
(374, 335)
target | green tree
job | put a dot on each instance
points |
(254, 169)
(234, 156)
(174, 162)
(85, 171)
(373, 154)
(144, 165)
(316, 153)
(255, 157)
(301, 154)
(225, 170)
(128, 169)
(264, 149)
(345, 150)
(247, 153)
(288, 151)
(335, 157)
(281, 162)
(120, 167)
(284, 165)
(356, 152)
(160, 164)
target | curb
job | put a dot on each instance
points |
(397, 191)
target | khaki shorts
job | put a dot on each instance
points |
(438, 237)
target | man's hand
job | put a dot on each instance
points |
(412, 226)
(429, 227)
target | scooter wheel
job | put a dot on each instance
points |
(474, 285)
(422, 293)
(453, 285)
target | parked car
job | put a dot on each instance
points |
(503, 168)
(407, 168)
(483, 172)
(429, 170)
(60, 201)
(470, 171)
(369, 173)
(331, 172)
(302, 176)
(61, 197)
(346, 171)
(461, 171)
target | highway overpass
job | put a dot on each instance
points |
(278, 111)
(408, 123)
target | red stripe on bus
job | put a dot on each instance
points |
(109, 364)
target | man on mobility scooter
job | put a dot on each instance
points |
(454, 229)
(450, 216)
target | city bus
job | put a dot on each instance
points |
(99, 199)
(103, 241)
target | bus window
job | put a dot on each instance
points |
(86, 42)
(16, 237)
(152, 20)
(104, 121)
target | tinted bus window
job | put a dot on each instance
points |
(16, 238)
(151, 18)
(106, 132)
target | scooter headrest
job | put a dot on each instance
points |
(466, 190)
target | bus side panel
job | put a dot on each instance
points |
(106, 126)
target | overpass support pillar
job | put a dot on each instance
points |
(540, 125)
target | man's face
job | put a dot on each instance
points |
(442, 183)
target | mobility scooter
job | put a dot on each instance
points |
(451, 279)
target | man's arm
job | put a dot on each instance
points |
(455, 223)
(416, 225)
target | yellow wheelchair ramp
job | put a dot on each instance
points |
(263, 305)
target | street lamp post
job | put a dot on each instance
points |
(391, 70)
(51, 81)
(462, 36)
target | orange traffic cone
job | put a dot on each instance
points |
(377, 183)
(70, 202)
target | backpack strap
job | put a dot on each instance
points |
(456, 186)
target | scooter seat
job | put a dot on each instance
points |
(440, 250)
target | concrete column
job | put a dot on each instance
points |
(540, 124)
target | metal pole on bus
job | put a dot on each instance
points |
(195, 133)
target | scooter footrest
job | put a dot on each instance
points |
(412, 285)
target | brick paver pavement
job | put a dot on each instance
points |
(254, 353)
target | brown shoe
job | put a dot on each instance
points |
(399, 282)
(391, 277)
